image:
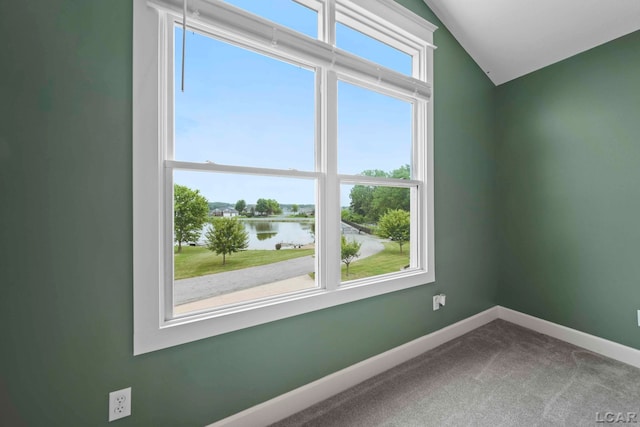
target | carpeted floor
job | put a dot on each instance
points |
(497, 375)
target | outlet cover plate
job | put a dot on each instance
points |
(119, 404)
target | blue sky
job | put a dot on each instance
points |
(242, 108)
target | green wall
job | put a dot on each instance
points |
(569, 192)
(66, 253)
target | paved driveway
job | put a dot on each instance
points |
(195, 288)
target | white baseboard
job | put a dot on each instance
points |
(296, 400)
(611, 349)
(301, 398)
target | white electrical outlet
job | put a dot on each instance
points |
(119, 404)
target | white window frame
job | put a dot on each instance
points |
(155, 327)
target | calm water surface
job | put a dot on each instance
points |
(264, 234)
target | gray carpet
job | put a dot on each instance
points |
(497, 375)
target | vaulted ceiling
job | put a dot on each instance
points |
(511, 38)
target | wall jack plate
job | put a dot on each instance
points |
(439, 301)
(119, 404)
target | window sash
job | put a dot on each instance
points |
(168, 300)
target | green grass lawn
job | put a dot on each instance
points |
(389, 260)
(196, 261)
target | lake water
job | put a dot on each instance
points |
(264, 234)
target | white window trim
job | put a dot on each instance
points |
(153, 328)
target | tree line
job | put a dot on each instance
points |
(387, 208)
(262, 207)
(369, 203)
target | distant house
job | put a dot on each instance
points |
(226, 212)
(307, 211)
(229, 212)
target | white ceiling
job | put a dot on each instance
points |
(511, 38)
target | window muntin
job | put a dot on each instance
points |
(157, 327)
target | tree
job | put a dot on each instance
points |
(294, 208)
(371, 202)
(273, 207)
(349, 251)
(386, 198)
(226, 236)
(403, 172)
(241, 205)
(190, 211)
(395, 225)
(362, 195)
(268, 207)
(262, 207)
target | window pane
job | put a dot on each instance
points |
(256, 239)
(376, 224)
(242, 108)
(284, 12)
(374, 131)
(369, 48)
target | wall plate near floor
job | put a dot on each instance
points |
(119, 404)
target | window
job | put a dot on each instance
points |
(293, 173)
